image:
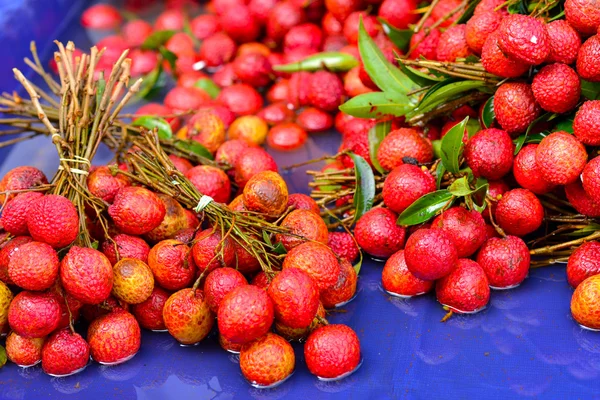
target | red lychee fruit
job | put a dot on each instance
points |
(314, 120)
(465, 289)
(54, 220)
(21, 178)
(341, 9)
(399, 13)
(268, 360)
(210, 251)
(581, 201)
(127, 247)
(564, 42)
(583, 15)
(515, 107)
(299, 89)
(590, 178)
(295, 297)
(317, 260)
(65, 353)
(584, 303)
(211, 181)
(225, 76)
(217, 49)
(267, 193)
(332, 350)
(560, 158)
(230, 151)
(101, 17)
(91, 312)
(133, 281)
(204, 26)
(114, 338)
(159, 110)
(519, 212)
(276, 113)
(303, 225)
(398, 280)
(180, 43)
(524, 38)
(34, 267)
(102, 183)
(219, 283)
(490, 5)
(136, 211)
(34, 314)
(425, 44)
(505, 261)
(172, 264)
(239, 23)
(344, 289)
(479, 27)
(326, 91)
(14, 214)
(526, 172)
(489, 153)
(253, 69)
(583, 263)
(353, 84)
(25, 352)
(287, 136)
(245, 314)
(343, 245)
(404, 185)
(588, 58)
(182, 99)
(282, 17)
(149, 313)
(170, 19)
(465, 228)
(205, 127)
(300, 334)
(556, 88)
(358, 143)
(497, 63)
(175, 219)
(242, 99)
(251, 162)
(7, 250)
(331, 26)
(453, 44)
(403, 142)
(587, 122)
(187, 316)
(370, 23)
(430, 254)
(303, 36)
(86, 274)
(377, 233)
(300, 201)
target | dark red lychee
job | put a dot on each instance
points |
(489, 153)
(586, 124)
(524, 38)
(54, 220)
(519, 212)
(430, 254)
(404, 185)
(515, 107)
(378, 234)
(526, 172)
(556, 88)
(505, 261)
(465, 289)
(465, 228)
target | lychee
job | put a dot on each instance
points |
(187, 316)
(25, 352)
(400, 143)
(326, 91)
(295, 297)
(465, 289)
(136, 211)
(343, 245)
(479, 27)
(245, 314)
(378, 234)
(317, 260)
(519, 212)
(404, 185)
(587, 122)
(219, 283)
(172, 264)
(524, 38)
(34, 267)
(344, 289)
(560, 158)
(465, 228)
(453, 44)
(267, 360)
(34, 314)
(564, 42)
(496, 62)
(588, 58)
(54, 220)
(332, 350)
(149, 313)
(86, 274)
(114, 338)
(505, 261)
(303, 225)
(398, 280)
(430, 254)
(515, 107)
(583, 15)
(556, 88)
(65, 353)
(14, 214)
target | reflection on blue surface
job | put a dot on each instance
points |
(525, 344)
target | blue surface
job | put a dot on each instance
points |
(525, 344)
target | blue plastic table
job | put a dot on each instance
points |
(525, 344)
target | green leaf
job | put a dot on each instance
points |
(419, 78)
(488, 115)
(365, 186)
(426, 207)
(452, 146)
(461, 187)
(591, 228)
(3, 357)
(384, 74)
(169, 56)
(151, 121)
(520, 141)
(150, 82)
(466, 15)
(208, 86)
(400, 37)
(358, 265)
(439, 173)
(565, 124)
(376, 134)
(194, 147)
(443, 94)
(437, 148)
(101, 88)
(187, 28)
(279, 249)
(472, 127)
(157, 39)
(437, 86)
(377, 105)
(267, 238)
(590, 90)
(333, 61)
(518, 8)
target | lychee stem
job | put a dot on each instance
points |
(449, 314)
(565, 245)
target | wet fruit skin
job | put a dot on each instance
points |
(34, 314)
(526, 173)
(404, 185)
(307, 224)
(136, 211)
(6, 252)
(187, 316)
(114, 337)
(35, 267)
(586, 123)
(524, 38)
(53, 219)
(466, 229)
(266, 192)
(519, 212)
(465, 289)
(14, 214)
(64, 352)
(149, 313)
(219, 283)
(245, 314)
(267, 360)
(587, 59)
(556, 88)
(378, 234)
(315, 259)
(560, 158)
(583, 263)
(344, 289)
(505, 261)
(400, 143)
(332, 350)
(172, 264)
(430, 254)
(286, 136)
(343, 245)
(515, 107)
(300, 201)
(24, 351)
(86, 274)
(397, 279)
(127, 246)
(133, 281)
(584, 303)
(20, 178)
(6, 298)
(295, 297)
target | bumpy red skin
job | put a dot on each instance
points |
(525, 171)
(515, 107)
(181, 164)
(22, 351)
(300, 201)
(466, 229)
(303, 223)
(326, 91)
(205, 247)
(591, 179)
(430, 254)
(564, 42)
(136, 31)
(442, 9)
(405, 184)
(86, 274)
(175, 219)
(358, 143)
(276, 113)
(287, 136)
(317, 260)
(453, 44)
(341, 9)
(219, 283)
(35, 267)
(136, 211)
(101, 17)
(91, 312)
(251, 162)
(397, 279)
(182, 99)
(505, 261)
(217, 49)
(64, 353)
(303, 36)
(282, 17)
(560, 158)
(170, 19)
(426, 47)
(556, 88)
(479, 27)
(298, 89)
(34, 314)
(377, 233)
(344, 289)
(267, 360)
(295, 297)
(128, 247)
(400, 143)
(114, 337)
(149, 313)
(54, 220)
(180, 43)
(239, 23)
(14, 214)
(7, 250)
(370, 24)
(332, 350)
(314, 120)
(187, 316)
(172, 264)
(211, 181)
(583, 15)
(586, 125)
(230, 151)
(242, 99)
(519, 212)
(588, 59)
(490, 5)
(497, 63)
(343, 245)
(580, 200)
(489, 153)
(245, 314)
(261, 280)
(253, 69)
(524, 38)
(583, 263)
(205, 25)
(225, 76)
(465, 289)
(398, 13)
(331, 26)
